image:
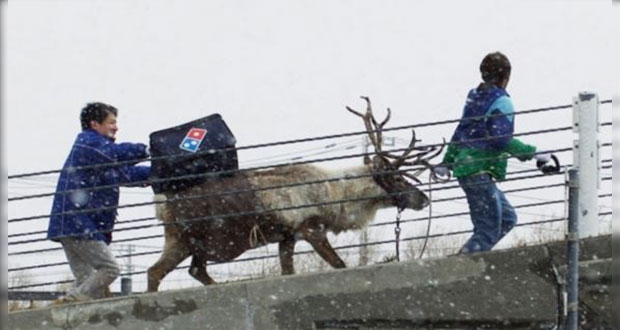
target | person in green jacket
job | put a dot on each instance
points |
(478, 153)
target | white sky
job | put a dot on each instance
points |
(279, 70)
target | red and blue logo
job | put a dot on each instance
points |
(192, 139)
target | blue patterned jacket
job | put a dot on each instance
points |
(86, 198)
(488, 119)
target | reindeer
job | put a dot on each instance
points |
(210, 226)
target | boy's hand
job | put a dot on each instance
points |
(545, 164)
(542, 159)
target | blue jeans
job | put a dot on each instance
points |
(491, 213)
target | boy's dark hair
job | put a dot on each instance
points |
(96, 111)
(494, 68)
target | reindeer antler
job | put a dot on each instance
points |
(423, 159)
(375, 134)
(374, 129)
(400, 160)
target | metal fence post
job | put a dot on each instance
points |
(126, 286)
(584, 181)
(586, 159)
(572, 253)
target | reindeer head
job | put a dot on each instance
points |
(386, 167)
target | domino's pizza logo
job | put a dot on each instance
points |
(192, 139)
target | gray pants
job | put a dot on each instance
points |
(93, 266)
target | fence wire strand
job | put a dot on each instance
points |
(294, 141)
(413, 238)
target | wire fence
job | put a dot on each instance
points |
(120, 222)
(234, 192)
(337, 248)
(217, 194)
(514, 176)
(218, 174)
(296, 141)
(269, 211)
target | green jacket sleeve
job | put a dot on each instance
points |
(521, 150)
(448, 158)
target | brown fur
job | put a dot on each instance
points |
(225, 238)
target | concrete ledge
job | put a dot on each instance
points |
(511, 288)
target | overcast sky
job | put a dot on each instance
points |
(280, 69)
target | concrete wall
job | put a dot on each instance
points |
(514, 288)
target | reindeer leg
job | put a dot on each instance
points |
(287, 249)
(318, 239)
(198, 270)
(327, 252)
(172, 255)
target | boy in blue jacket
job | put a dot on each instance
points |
(479, 150)
(84, 207)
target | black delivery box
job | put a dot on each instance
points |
(198, 147)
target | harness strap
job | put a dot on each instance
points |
(254, 236)
(397, 233)
(430, 215)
